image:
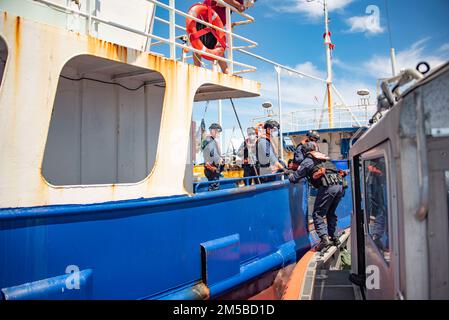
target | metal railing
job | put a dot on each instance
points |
(312, 118)
(234, 181)
(172, 40)
(179, 41)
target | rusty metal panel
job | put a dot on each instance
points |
(27, 99)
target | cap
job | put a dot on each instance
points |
(251, 130)
(215, 126)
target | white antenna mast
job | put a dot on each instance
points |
(392, 51)
(328, 44)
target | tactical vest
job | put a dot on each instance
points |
(329, 174)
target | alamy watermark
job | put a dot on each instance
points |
(72, 282)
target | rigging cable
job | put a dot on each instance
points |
(106, 82)
(243, 135)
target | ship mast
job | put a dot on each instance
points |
(327, 45)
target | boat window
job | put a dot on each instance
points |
(3, 57)
(376, 203)
(105, 123)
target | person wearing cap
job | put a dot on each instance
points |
(213, 162)
(266, 151)
(298, 157)
(246, 155)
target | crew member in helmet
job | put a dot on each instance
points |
(247, 156)
(266, 152)
(311, 136)
(324, 176)
(213, 162)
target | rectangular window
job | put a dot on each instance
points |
(376, 203)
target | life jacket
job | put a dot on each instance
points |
(324, 172)
(272, 148)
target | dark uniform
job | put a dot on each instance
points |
(330, 187)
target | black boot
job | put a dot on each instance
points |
(336, 241)
(324, 243)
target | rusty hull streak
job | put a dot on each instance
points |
(16, 53)
(179, 77)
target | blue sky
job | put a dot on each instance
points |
(290, 32)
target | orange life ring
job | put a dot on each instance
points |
(208, 14)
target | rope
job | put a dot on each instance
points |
(243, 135)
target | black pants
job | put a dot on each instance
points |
(212, 176)
(250, 171)
(326, 203)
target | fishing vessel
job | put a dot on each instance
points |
(97, 192)
(94, 203)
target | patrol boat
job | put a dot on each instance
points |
(94, 124)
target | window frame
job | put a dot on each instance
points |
(380, 151)
(8, 51)
(100, 185)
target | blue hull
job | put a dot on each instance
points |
(151, 248)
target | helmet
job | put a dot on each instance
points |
(313, 135)
(271, 124)
(308, 147)
(215, 126)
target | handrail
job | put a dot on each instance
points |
(302, 74)
(247, 16)
(152, 36)
(247, 179)
(172, 42)
(186, 15)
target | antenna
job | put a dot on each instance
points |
(392, 51)
(328, 46)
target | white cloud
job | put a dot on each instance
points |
(369, 23)
(365, 24)
(310, 69)
(312, 9)
(444, 47)
(380, 66)
(301, 92)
